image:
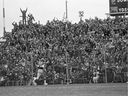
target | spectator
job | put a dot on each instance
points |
(60, 42)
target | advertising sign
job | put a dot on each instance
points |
(118, 7)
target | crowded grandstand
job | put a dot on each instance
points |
(47, 52)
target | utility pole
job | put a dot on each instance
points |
(67, 66)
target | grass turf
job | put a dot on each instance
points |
(67, 90)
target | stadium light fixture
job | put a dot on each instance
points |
(81, 15)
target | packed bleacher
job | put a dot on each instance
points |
(86, 46)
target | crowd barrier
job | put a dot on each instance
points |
(117, 79)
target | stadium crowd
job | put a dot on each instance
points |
(91, 44)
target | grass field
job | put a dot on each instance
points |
(67, 90)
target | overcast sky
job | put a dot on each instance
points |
(44, 10)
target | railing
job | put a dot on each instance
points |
(59, 81)
(14, 83)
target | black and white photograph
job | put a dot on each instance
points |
(63, 47)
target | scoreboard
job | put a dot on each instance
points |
(118, 7)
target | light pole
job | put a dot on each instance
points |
(105, 63)
(66, 10)
(32, 67)
(67, 68)
(66, 53)
(108, 45)
(1, 42)
(4, 31)
(2, 39)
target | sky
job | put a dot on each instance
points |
(44, 10)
